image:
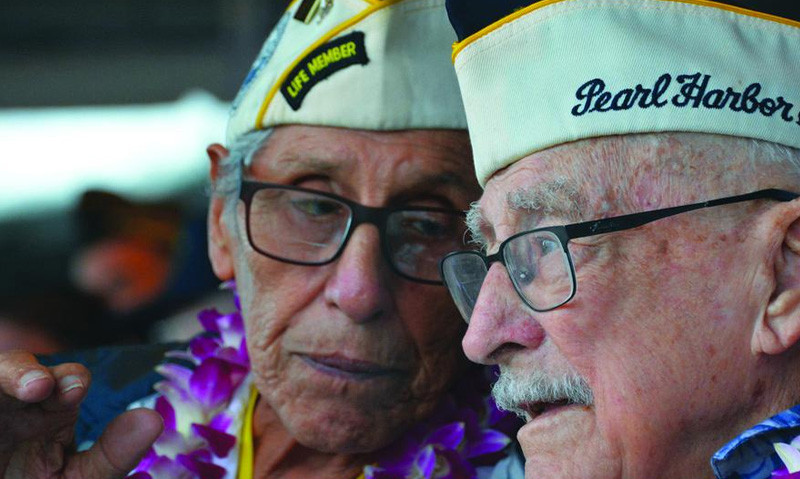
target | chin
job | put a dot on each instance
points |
(347, 431)
(564, 442)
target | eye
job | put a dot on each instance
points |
(525, 276)
(317, 207)
(546, 245)
(426, 225)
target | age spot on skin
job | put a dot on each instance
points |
(663, 247)
(712, 351)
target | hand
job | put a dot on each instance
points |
(38, 411)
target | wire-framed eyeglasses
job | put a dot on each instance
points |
(309, 227)
(539, 263)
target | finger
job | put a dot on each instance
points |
(23, 378)
(72, 385)
(120, 448)
(51, 419)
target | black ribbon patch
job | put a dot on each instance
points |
(321, 63)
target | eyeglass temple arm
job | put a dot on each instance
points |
(624, 222)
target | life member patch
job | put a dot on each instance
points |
(321, 63)
(683, 91)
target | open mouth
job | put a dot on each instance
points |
(534, 410)
(348, 368)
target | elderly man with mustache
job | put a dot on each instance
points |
(639, 279)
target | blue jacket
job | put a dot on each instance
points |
(120, 376)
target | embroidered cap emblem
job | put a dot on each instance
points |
(309, 9)
(321, 63)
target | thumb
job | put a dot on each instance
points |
(120, 448)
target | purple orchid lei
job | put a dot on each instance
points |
(467, 430)
(790, 456)
(193, 401)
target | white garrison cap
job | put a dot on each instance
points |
(362, 64)
(557, 71)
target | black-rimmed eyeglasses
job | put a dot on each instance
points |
(539, 263)
(308, 227)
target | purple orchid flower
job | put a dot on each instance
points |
(214, 381)
(219, 442)
(783, 473)
(790, 456)
(444, 453)
(199, 462)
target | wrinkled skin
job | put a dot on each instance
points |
(356, 308)
(675, 325)
(303, 323)
(309, 417)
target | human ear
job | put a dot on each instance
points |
(779, 328)
(219, 250)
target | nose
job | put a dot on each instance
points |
(500, 322)
(359, 285)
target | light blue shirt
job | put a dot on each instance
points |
(510, 467)
(751, 454)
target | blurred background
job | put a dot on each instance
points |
(105, 112)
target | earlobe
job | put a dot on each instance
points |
(779, 328)
(219, 251)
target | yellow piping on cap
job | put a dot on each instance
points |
(458, 46)
(374, 7)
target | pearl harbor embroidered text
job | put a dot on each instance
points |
(684, 91)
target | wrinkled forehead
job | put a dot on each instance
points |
(526, 193)
(559, 179)
(597, 177)
(404, 157)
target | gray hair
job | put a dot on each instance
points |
(231, 168)
(513, 391)
(774, 153)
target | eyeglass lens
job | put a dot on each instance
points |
(299, 226)
(463, 273)
(538, 266)
(309, 228)
(539, 269)
(418, 239)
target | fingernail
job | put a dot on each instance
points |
(31, 377)
(68, 383)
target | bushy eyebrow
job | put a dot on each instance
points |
(476, 225)
(293, 163)
(559, 198)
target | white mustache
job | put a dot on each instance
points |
(511, 391)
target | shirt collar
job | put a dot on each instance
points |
(751, 454)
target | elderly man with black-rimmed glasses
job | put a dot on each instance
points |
(638, 279)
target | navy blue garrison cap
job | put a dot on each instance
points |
(470, 16)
